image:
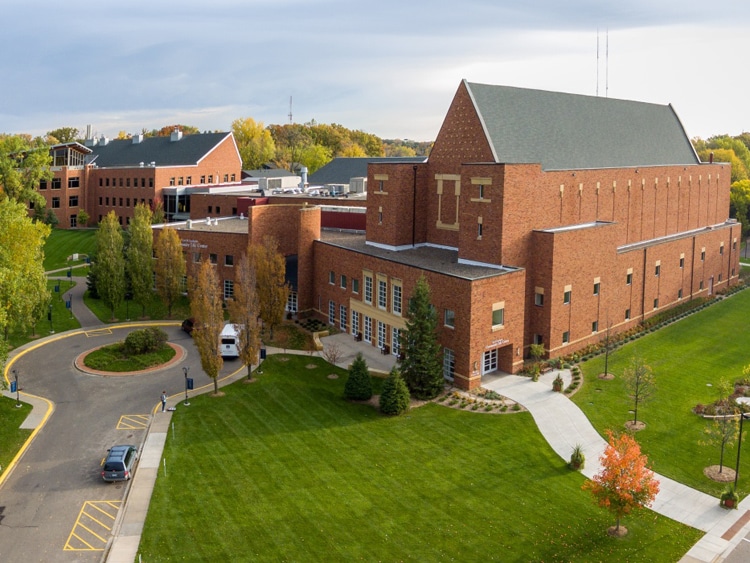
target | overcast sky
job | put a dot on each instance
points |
(386, 67)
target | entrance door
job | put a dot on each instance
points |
(489, 361)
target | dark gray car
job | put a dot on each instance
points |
(119, 464)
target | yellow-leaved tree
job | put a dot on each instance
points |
(270, 272)
(170, 267)
(207, 312)
(244, 311)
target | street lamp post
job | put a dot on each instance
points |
(185, 370)
(739, 447)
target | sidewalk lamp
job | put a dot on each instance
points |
(185, 370)
(743, 416)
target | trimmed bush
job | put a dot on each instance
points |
(394, 398)
(145, 340)
(359, 384)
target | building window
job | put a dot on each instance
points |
(291, 302)
(203, 179)
(382, 294)
(498, 317)
(396, 305)
(229, 260)
(449, 318)
(657, 270)
(629, 279)
(233, 177)
(381, 335)
(355, 285)
(367, 321)
(331, 312)
(480, 230)
(721, 250)
(566, 298)
(595, 326)
(196, 257)
(566, 337)
(73, 221)
(380, 217)
(331, 277)
(56, 183)
(449, 364)
(210, 209)
(703, 255)
(682, 262)
(73, 201)
(656, 303)
(368, 290)
(43, 184)
(343, 281)
(380, 185)
(679, 293)
(596, 288)
(107, 200)
(213, 258)
(180, 180)
(701, 284)
(127, 182)
(226, 177)
(171, 181)
(228, 289)
(342, 317)
(627, 314)
(74, 182)
(539, 299)
(218, 209)
(55, 203)
(538, 339)
(481, 191)
(189, 180)
(355, 323)
(395, 341)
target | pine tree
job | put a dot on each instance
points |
(422, 368)
(394, 398)
(359, 384)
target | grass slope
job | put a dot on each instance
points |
(65, 242)
(688, 358)
(11, 436)
(285, 470)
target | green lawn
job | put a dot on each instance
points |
(688, 358)
(63, 243)
(11, 436)
(285, 470)
(156, 309)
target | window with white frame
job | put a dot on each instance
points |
(382, 294)
(331, 312)
(397, 298)
(449, 318)
(228, 289)
(291, 302)
(368, 289)
(489, 361)
(566, 337)
(498, 314)
(381, 335)
(355, 323)
(355, 285)
(368, 328)
(395, 341)
(343, 281)
(539, 297)
(331, 277)
(597, 286)
(566, 296)
(342, 317)
(449, 364)
(595, 326)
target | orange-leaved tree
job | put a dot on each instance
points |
(624, 482)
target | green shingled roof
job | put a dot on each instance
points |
(570, 131)
(187, 151)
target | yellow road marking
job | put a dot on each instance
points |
(133, 422)
(98, 332)
(93, 526)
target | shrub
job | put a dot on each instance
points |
(394, 398)
(145, 340)
(359, 383)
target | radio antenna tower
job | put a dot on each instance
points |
(606, 63)
(597, 62)
(290, 110)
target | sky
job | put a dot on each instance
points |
(385, 67)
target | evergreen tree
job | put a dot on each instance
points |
(422, 368)
(395, 396)
(359, 384)
(110, 262)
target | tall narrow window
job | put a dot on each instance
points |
(368, 290)
(382, 294)
(396, 305)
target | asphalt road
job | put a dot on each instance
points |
(55, 505)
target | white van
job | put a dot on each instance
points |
(230, 341)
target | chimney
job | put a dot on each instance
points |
(303, 183)
(176, 135)
(711, 157)
(137, 138)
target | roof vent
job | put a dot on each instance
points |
(104, 141)
(141, 164)
(176, 135)
(189, 224)
(137, 138)
(208, 221)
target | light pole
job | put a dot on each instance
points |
(185, 370)
(739, 447)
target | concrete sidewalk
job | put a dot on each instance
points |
(564, 426)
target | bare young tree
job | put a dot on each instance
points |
(206, 309)
(639, 382)
(244, 311)
(333, 353)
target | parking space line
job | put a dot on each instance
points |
(93, 526)
(133, 422)
(98, 332)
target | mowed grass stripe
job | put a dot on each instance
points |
(284, 469)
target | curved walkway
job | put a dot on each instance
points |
(564, 425)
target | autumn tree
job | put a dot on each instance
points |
(167, 130)
(724, 429)
(422, 368)
(63, 135)
(83, 218)
(206, 309)
(23, 164)
(254, 141)
(140, 252)
(639, 383)
(244, 311)
(23, 284)
(739, 199)
(170, 267)
(110, 262)
(270, 272)
(624, 482)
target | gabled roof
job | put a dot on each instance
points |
(189, 150)
(342, 169)
(570, 131)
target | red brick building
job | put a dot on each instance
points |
(539, 217)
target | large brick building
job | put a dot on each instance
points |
(539, 217)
